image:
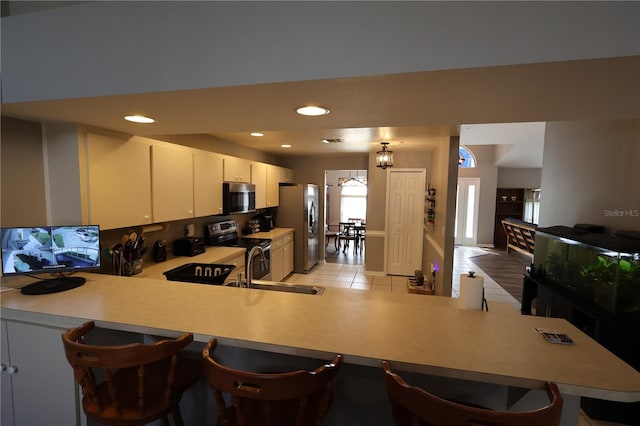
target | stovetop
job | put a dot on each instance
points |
(225, 233)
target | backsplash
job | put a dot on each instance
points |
(170, 231)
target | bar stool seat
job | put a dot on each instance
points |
(300, 398)
(131, 384)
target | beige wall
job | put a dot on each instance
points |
(519, 178)
(438, 244)
(23, 192)
(377, 203)
(590, 174)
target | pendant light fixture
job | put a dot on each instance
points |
(384, 158)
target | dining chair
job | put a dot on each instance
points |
(332, 231)
(347, 234)
(131, 384)
(296, 398)
(414, 406)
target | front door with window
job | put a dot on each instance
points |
(467, 207)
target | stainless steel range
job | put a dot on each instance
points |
(225, 234)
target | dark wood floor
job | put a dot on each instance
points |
(505, 269)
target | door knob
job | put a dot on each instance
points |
(11, 370)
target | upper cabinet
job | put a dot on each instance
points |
(207, 183)
(172, 182)
(138, 181)
(275, 176)
(273, 185)
(287, 175)
(118, 182)
(237, 169)
(259, 179)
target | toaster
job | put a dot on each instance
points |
(188, 246)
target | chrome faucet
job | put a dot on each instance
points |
(263, 262)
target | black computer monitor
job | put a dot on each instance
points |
(53, 250)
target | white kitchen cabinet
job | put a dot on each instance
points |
(275, 176)
(238, 262)
(118, 182)
(207, 183)
(277, 272)
(273, 185)
(6, 411)
(172, 182)
(259, 179)
(236, 169)
(38, 387)
(287, 254)
(287, 175)
(281, 257)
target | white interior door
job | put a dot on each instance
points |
(467, 207)
(405, 218)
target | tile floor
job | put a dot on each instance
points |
(353, 275)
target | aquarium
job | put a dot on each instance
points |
(597, 268)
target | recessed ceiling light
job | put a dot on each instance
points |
(312, 111)
(335, 140)
(257, 134)
(139, 119)
(285, 146)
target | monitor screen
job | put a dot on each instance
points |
(50, 249)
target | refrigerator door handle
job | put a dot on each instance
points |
(312, 212)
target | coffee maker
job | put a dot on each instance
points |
(265, 220)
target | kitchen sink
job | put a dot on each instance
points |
(286, 287)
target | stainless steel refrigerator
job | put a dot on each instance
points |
(298, 209)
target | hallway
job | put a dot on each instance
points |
(347, 270)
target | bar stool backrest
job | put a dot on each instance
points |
(133, 383)
(415, 406)
(300, 397)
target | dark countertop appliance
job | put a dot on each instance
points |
(188, 246)
(225, 234)
(265, 220)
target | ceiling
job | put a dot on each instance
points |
(414, 111)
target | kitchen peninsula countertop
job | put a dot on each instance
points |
(424, 334)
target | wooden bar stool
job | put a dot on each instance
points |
(415, 406)
(142, 382)
(300, 398)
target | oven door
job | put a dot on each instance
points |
(261, 270)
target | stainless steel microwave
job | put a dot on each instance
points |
(238, 197)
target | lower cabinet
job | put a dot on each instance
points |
(287, 254)
(239, 263)
(277, 271)
(38, 387)
(281, 257)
